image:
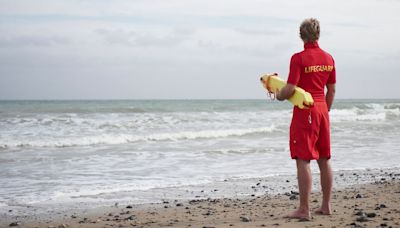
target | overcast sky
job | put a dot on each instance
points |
(208, 49)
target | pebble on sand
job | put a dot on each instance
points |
(15, 224)
(245, 219)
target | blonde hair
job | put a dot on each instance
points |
(309, 30)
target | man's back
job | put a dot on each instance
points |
(312, 69)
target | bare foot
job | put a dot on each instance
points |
(299, 214)
(323, 211)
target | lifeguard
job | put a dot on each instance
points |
(312, 69)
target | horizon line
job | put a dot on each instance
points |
(173, 99)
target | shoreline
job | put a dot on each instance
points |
(367, 192)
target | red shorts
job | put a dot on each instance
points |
(310, 133)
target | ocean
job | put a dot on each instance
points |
(138, 151)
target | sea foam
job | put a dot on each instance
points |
(111, 139)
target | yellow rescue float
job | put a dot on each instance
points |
(300, 97)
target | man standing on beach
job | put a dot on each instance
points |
(312, 69)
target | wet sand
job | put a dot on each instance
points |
(376, 204)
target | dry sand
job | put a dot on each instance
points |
(369, 205)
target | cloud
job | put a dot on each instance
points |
(259, 31)
(278, 50)
(117, 36)
(33, 40)
(208, 44)
(144, 38)
(351, 25)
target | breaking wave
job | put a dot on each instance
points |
(125, 138)
(368, 112)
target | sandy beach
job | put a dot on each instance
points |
(373, 204)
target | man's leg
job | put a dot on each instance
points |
(304, 181)
(326, 186)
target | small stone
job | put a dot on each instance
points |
(371, 215)
(355, 225)
(15, 224)
(358, 196)
(132, 217)
(208, 213)
(383, 224)
(129, 206)
(245, 219)
(294, 193)
(179, 204)
(382, 206)
(360, 213)
(293, 197)
(362, 218)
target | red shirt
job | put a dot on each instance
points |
(312, 69)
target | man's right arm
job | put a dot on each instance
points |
(330, 95)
